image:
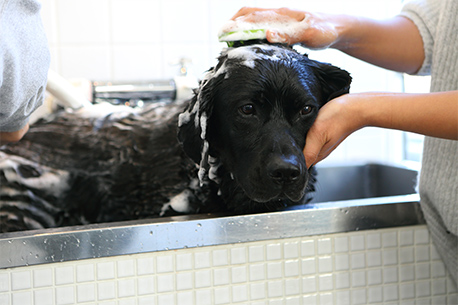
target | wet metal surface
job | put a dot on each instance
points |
(105, 240)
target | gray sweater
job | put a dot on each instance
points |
(437, 21)
(24, 62)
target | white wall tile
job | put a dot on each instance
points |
(22, 298)
(185, 298)
(146, 285)
(5, 282)
(222, 295)
(238, 255)
(203, 278)
(357, 243)
(407, 273)
(221, 276)
(325, 264)
(373, 241)
(274, 289)
(239, 293)
(21, 280)
(324, 246)
(374, 277)
(136, 21)
(92, 62)
(239, 274)
(390, 257)
(220, 257)
(342, 297)
(309, 285)
(85, 273)
(406, 255)
(86, 293)
(390, 275)
(422, 253)
(165, 283)
(42, 278)
(126, 268)
(325, 282)
(258, 291)
(184, 280)
(83, 21)
(65, 295)
(406, 238)
(374, 258)
(342, 262)
(202, 260)
(341, 244)
(136, 63)
(389, 239)
(309, 266)
(274, 251)
(224, 274)
(359, 296)
(165, 264)
(257, 272)
(105, 270)
(291, 250)
(375, 294)
(204, 297)
(126, 288)
(256, 253)
(358, 260)
(145, 266)
(184, 261)
(64, 275)
(358, 278)
(42, 297)
(423, 289)
(106, 290)
(274, 270)
(164, 299)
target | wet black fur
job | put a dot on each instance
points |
(127, 167)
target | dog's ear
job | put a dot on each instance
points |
(192, 125)
(334, 81)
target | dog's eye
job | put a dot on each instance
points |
(247, 109)
(306, 110)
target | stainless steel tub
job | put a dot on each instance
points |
(348, 198)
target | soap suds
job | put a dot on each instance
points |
(239, 29)
(54, 182)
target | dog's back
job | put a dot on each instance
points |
(79, 169)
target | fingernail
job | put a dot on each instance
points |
(276, 37)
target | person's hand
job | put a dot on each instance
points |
(15, 136)
(336, 120)
(313, 30)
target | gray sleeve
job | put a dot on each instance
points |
(425, 15)
(24, 62)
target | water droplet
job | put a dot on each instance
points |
(150, 232)
(199, 225)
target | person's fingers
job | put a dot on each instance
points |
(313, 145)
(274, 36)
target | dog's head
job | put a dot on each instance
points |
(251, 115)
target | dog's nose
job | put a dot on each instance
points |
(284, 170)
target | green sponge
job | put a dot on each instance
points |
(240, 36)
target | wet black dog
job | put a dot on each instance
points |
(239, 150)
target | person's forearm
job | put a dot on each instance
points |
(393, 44)
(430, 114)
(15, 136)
